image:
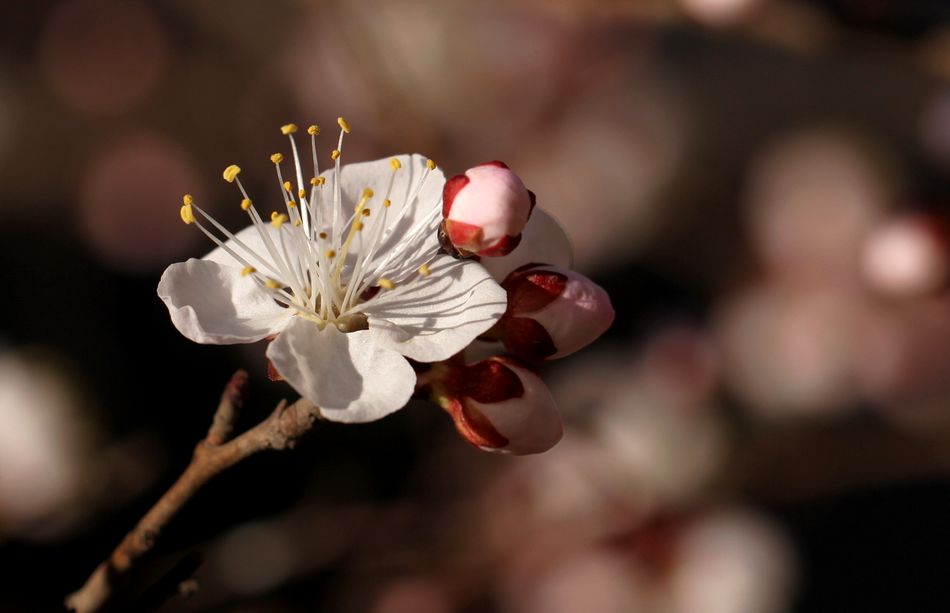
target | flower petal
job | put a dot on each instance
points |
(542, 242)
(350, 377)
(433, 318)
(211, 303)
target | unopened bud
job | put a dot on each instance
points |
(486, 209)
(500, 406)
(552, 312)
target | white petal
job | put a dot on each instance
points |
(542, 242)
(351, 378)
(211, 303)
(376, 176)
(435, 317)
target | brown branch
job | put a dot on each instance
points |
(282, 429)
(229, 409)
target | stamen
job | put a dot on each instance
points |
(282, 264)
(231, 172)
(354, 228)
(344, 125)
(187, 215)
(186, 212)
(321, 271)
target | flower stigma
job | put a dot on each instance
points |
(314, 257)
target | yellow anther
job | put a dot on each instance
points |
(273, 284)
(430, 164)
(289, 128)
(231, 172)
(365, 212)
(367, 193)
(385, 283)
(298, 223)
(323, 236)
(424, 270)
(291, 203)
(288, 187)
(344, 125)
(331, 254)
(277, 158)
(335, 154)
(315, 181)
(396, 164)
(313, 130)
(357, 225)
(248, 270)
(278, 220)
(187, 215)
(387, 203)
(188, 199)
(301, 193)
(246, 204)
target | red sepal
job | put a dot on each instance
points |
(461, 234)
(449, 191)
(474, 427)
(504, 246)
(530, 291)
(527, 339)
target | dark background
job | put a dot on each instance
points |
(724, 167)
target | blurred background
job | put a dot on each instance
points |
(761, 185)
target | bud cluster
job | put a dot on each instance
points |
(500, 404)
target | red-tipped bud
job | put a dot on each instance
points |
(485, 210)
(500, 406)
(552, 312)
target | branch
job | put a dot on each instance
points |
(282, 429)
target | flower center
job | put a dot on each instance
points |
(313, 259)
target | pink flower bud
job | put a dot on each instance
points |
(486, 209)
(499, 406)
(552, 312)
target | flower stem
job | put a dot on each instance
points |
(217, 452)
